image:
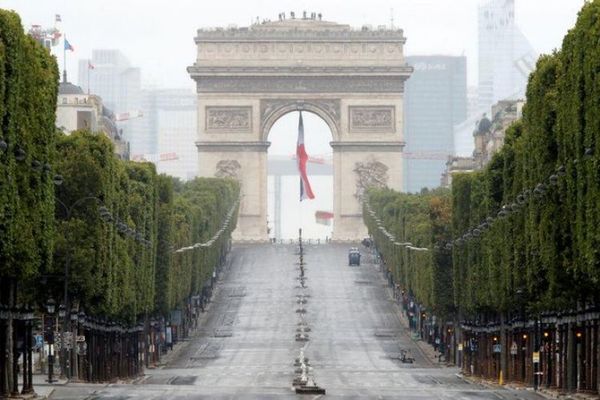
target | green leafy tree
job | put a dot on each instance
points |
(28, 89)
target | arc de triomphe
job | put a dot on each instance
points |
(247, 78)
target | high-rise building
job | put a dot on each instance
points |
(110, 75)
(506, 57)
(435, 100)
(170, 122)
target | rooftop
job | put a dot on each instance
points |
(309, 26)
(69, 88)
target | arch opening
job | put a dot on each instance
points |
(285, 213)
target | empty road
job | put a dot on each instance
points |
(246, 347)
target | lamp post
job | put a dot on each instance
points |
(536, 357)
(51, 308)
(81, 348)
(62, 314)
(73, 358)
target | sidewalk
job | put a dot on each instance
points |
(182, 344)
(431, 355)
(43, 389)
(425, 348)
(544, 392)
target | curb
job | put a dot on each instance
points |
(545, 393)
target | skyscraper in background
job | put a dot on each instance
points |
(505, 61)
(110, 75)
(506, 57)
(172, 121)
(435, 100)
(159, 124)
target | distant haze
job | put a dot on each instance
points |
(157, 35)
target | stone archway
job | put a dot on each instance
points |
(273, 109)
(248, 78)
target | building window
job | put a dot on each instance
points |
(64, 100)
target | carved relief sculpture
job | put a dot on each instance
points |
(227, 119)
(228, 169)
(372, 118)
(371, 174)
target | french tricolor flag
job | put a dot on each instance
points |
(305, 189)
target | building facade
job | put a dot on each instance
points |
(488, 138)
(435, 101)
(76, 110)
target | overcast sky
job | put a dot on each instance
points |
(157, 35)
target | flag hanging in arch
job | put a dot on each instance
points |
(301, 156)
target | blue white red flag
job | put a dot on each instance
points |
(301, 156)
(68, 45)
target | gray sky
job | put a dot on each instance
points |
(157, 35)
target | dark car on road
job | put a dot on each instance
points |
(354, 256)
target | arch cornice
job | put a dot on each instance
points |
(273, 109)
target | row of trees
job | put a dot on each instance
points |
(543, 249)
(516, 244)
(28, 91)
(96, 233)
(124, 227)
(416, 221)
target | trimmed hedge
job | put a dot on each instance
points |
(28, 92)
(423, 220)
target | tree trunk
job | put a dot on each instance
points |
(571, 362)
(10, 341)
(504, 347)
(597, 344)
(4, 382)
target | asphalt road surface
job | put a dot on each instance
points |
(246, 347)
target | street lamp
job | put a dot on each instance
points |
(62, 311)
(20, 154)
(51, 308)
(58, 180)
